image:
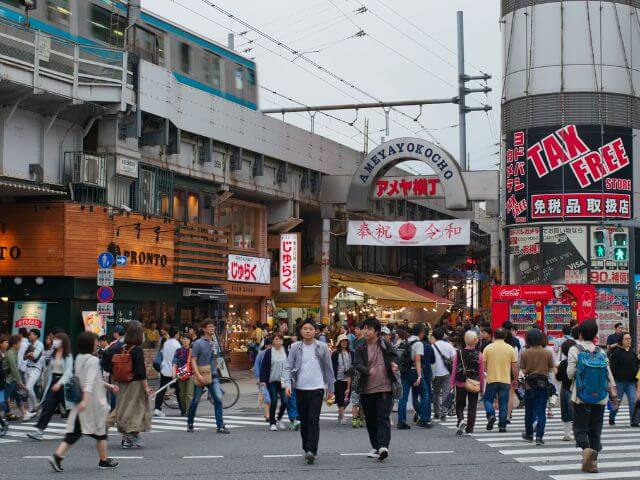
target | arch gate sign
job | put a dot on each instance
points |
(391, 153)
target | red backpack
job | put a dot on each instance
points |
(122, 366)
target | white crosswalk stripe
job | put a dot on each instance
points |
(559, 459)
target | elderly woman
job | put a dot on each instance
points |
(468, 380)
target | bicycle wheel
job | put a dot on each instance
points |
(231, 392)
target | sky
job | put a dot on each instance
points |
(407, 52)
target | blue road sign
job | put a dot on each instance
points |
(121, 260)
(105, 260)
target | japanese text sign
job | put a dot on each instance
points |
(423, 233)
(289, 267)
(249, 269)
(407, 187)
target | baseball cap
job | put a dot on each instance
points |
(385, 331)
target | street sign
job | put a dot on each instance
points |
(105, 277)
(105, 309)
(105, 260)
(121, 260)
(105, 294)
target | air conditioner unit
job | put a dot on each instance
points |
(90, 170)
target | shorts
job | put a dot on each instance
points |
(354, 399)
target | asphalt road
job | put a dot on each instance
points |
(252, 451)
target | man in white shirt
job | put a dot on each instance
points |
(35, 361)
(166, 367)
(444, 352)
(24, 344)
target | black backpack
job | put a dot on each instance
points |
(404, 350)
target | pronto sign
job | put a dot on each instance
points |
(399, 150)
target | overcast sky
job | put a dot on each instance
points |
(408, 52)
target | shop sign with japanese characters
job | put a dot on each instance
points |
(249, 269)
(289, 267)
(567, 173)
(407, 187)
(424, 233)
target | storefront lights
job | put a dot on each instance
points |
(39, 280)
(17, 280)
(4, 299)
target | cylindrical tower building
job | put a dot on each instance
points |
(570, 114)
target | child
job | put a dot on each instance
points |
(357, 419)
(566, 410)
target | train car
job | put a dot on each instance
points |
(194, 60)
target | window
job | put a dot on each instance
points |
(147, 191)
(58, 12)
(239, 80)
(193, 207)
(106, 26)
(150, 45)
(179, 205)
(211, 67)
(243, 221)
(185, 58)
(251, 77)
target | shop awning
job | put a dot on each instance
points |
(307, 297)
(391, 295)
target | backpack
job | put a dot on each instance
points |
(591, 375)
(106, 359)
(406, 363)
(122, 366)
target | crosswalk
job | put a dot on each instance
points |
(561, 460)
(56, 430)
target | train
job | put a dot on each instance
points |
(193, 59)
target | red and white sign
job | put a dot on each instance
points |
(289, 268)
(581, 205)
(249, 269)
(407, 187)
(423, 233)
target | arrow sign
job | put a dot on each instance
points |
(105, 260)
(105, 294)
(121, 260)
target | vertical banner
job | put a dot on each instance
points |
(29, 315)
(289, 262)
(94, 322)
(612, 306)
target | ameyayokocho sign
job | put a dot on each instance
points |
(407, 187)
(568, 172)
(249, 269)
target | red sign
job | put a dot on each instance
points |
(105, 294)
(249, 269)
(408, 187)
(581, 205)
(289, 244)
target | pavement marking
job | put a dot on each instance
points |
(354, 454)
(597, 476)
(36, 457)
(576, 466)
(553, 436)
(6, 440)
(434, 453)
(521, 442)
(577, 456)
(524, 451)
(198, 457)
(283, 455)
(126, 458)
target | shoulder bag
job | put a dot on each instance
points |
(470, 385)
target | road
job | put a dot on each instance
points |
(252, 451)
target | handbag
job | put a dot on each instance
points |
(205, 373)
(72, 390)
(470, 385)
(157, 361)
(396, 387)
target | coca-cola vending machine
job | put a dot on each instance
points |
(548, 307)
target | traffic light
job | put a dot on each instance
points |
(620, 247)
(600, 243)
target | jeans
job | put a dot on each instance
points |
(425, 397)
(32, 377)
(408, 379)
(216, 394)
(587, 425)
(276, 390)
(535, 404)
(377, 410)
(10, 391)
(292, 407)
(469, 401)
(628, 389)
(502, 391)
(441, 392)
(566, 407)
(160, 397)
(309, 404)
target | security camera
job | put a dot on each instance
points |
(125, 208)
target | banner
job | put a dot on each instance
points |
(249, 269)
(29, 315)
(612, 306)
(407, 187)
(524, 255)
(94, 322)
(289, 267)
(564, 254)
(424, 233)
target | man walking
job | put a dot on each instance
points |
(441, 380)
(501, 365)
(35, 361)
(588, 367)
(169, 350)
(308, 370)
(205, 376)
(412, 377)
(377, 363)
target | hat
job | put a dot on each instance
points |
(341, 338)
(119, 329)
(385, 331)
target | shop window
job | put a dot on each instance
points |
(107, 26)
(193, 207)
(185, 58)
(243, 222)
(58, 12)
(211, 67)
(179, 207)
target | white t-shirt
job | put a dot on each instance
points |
(417, 348)
(447, 350)
(310, 374)
(168, 352)
(22, 363)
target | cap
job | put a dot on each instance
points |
(119, 329)
(341, 338)
(385, 331)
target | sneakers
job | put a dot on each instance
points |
(373, 454)
(491, 422)
(461, 428)
(635, 425)
(281, 425)
(273, 427)
(107, 464)
(612, 422)
(36, 435)
(343, 421)
(223, 430)
(403, 426)
(28, 416)
(567, 438)
(158, 413)
(527, 438)
(309, 457)
(424, 424)
(502, 430)
(354, 422)
(539, 442)
(190, 429)
(136, 441)
(383, 453)
(56, 463)
(294, 426)
(589, 460)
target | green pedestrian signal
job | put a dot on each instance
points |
(600, 251)
(620, 254)
(620, 247)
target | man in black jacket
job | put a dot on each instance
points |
(377, 362)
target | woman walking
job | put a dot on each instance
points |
(536, 362)
(566, 409)
(272, 377)
(467, 381)
(88, 417)
(132, 413)
(624, 366)
(58, 373)
(342, 359)
(181, 369)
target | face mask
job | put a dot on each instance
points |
(57, 343)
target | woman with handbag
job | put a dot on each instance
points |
(133, 413)
(182, 369)
(89, 413)
(467, 379)
(536, 363)
(58, 373)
